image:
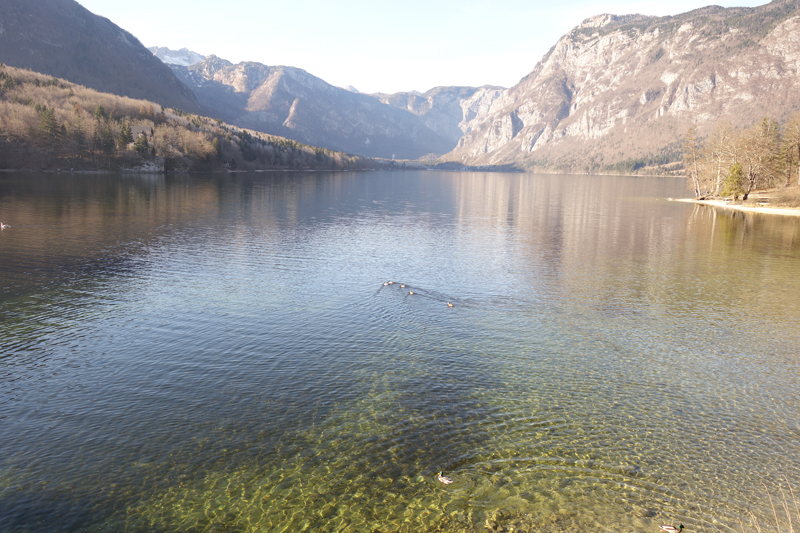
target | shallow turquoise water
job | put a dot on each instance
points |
(219, 353)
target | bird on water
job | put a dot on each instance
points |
(3, 226)
(672, 529)
(449, 304)
(444, 479)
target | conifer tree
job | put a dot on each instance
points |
(734, 182)
(48, 127)
(107, 140)
(141, 145)
(125, 136)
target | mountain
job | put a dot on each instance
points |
(290, 102)
(50, 123)
(446, 110)
(622, 90)
(61, 38)
(184, 56)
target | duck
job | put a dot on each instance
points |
(444, 479)
(410, 292)
(390, 282)
(672, 529)
(449, 304)
(3, 226)
(385, 283)
(402, 286)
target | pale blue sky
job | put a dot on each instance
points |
(374, 45)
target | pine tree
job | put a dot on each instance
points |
(107, 140)
(77, 132)
(125, 136)
(141, 145)
(734, 182)
(48, 127)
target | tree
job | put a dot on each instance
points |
(106, 140)
(758, 155)
(141, 145)
(791, 143)
(49, 133)
(690, 159)
(99, 112)
(78, 137)
(48, 127)
(734, 182)
(125, 135)
(717, 158)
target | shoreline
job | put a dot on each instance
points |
(785, 211)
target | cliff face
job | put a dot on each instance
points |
(290, 102)
(446, 110)
(61, 38)
(627, 88)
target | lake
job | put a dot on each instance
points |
(221, 353)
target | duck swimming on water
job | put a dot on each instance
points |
(3, 226)
(444, 479)
(672, 529)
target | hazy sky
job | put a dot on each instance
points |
(375, 45)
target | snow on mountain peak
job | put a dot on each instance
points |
(183, 57)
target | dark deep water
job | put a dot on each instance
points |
(219, 353)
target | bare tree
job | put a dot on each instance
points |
(758, 155)
(717, 158)
(791, 145)
(691, 154)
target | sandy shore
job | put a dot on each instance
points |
(795, 212)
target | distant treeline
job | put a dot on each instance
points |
(667, 162)
(735, 162)
(51, 123)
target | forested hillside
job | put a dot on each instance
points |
(50, 123)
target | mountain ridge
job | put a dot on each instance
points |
(619, 88)
(290, 102)
(184, 56)
(61, 38)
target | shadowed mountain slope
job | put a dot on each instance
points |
(290, 102)
(61, 38)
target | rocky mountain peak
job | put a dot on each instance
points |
(625, 88)
(598, 21)
(184, 56)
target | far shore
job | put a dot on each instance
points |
(730, 204)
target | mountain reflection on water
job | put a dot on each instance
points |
(219, 353)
